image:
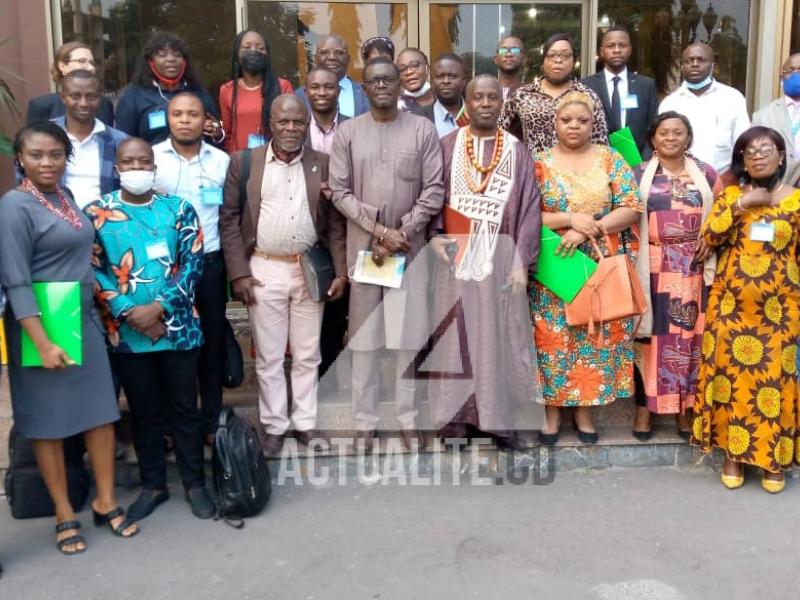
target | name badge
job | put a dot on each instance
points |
(157, 119)
(156, 250)
(762, 232)
(631, 102)
(254, 140)
(212, 196)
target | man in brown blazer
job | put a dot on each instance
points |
(287, 210)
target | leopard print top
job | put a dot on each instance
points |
(530, 115)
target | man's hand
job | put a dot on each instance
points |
(569, 243)
(518, 280)
(439, 244)
(143, 317)
(54, 357)
(337, 288)
(585, 224)
(379, 253)
(393, 239)
(244, 290)
(156, 332)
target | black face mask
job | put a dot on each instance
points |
(253, 61)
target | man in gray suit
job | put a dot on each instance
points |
(629, 99)
(783, 115)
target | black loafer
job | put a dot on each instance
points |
(547, 439)
(642, 436)
(587, 437)
(203, 506)
(146, 503)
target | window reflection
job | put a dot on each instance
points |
(473, 30)
(293, 29)
(661, 30)
(117, 29)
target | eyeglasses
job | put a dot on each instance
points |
(414, 64)
(564, 56)
(337, 52)
(513, 51)
(376, 81)
(766, 151)
(83, 61)
(789, 71)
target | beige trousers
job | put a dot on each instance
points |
(366, 389)
(284, 311)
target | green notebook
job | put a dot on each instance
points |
(563, 276)
(622, 141)
(60, 307)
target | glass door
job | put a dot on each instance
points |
(293, 29)
(472, 29)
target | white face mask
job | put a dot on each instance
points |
(137, 183)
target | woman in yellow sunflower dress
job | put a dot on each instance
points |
(748, 374)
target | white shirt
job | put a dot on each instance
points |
(82, 176)
(622, 88)
(285, 225)
(193, 179)
(718, 117)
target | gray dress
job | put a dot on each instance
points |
(36, 245)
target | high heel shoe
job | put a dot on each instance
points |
(773, 486)
(585, 437)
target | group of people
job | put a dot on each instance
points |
(152, 206)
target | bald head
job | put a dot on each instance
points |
(134, 145)
(331, 53)
(483, 82)
(288, 102)
(697, 63)
(288, 120)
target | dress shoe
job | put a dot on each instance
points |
(587, 437)
(202, 505)
(547, 439)
(643, 436)
(146, 503)
(305, 437)
(271, 444)
(410, 436)
(365, 440)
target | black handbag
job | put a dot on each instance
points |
(25, 489)
(318, 272)
(233, 363)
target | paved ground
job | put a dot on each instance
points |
(636, 534)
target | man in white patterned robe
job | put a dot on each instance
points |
(479, 358)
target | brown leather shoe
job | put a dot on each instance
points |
(271, 444)
(365, 440)
(305, 437)
(409, 436)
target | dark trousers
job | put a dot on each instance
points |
(210, 299)
(334, 329)
(155, 383)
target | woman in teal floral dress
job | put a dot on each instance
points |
(587, 191)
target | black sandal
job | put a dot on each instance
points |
(72, 540)
(119, 530)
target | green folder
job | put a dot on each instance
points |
(563, 276)
(60, 311)
(622, 141)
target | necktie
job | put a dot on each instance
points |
(616, 116)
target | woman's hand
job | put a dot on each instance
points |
(142, 318)
(570, 242)
(54, 357)
(585, 224)
(703, 251)
(755, 197)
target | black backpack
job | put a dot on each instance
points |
(241, 475)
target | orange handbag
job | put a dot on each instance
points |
(612, 292)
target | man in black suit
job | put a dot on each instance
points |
(629, 99)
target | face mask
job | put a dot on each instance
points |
(137, 183)
(700, 84)
(253, 61)
(791, 85)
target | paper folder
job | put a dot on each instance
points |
(60, 311)
(622, 141)
(563, 276)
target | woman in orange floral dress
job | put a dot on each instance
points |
(748, 376)
(587, 190)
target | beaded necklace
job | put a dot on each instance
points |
(65, 211)
(486, 172)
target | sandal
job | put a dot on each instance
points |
(72, 540)
(119, 530)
